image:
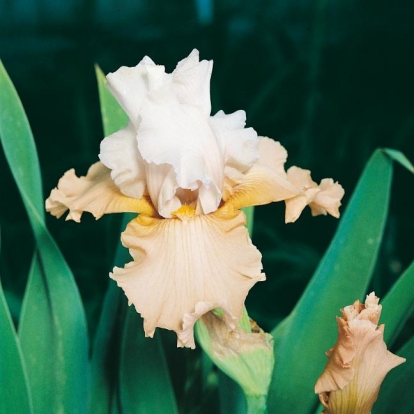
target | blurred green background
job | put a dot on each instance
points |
(332, 80)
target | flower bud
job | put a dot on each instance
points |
(245, 353)
(358, 363)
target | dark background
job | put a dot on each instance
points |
(332, 80)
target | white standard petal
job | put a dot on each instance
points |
(191, 82)
(162, 186)
(240, 143)
(180, 135)
(130, 85)
(119, 152)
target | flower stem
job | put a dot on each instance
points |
(256, 404)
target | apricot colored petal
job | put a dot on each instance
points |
(265, 182)
(358, 363)
(272, 155)
(119, 152)
(232, 178)
(328, 199)
(301, 178)
(261, 185)
(306, 189)
(323, 199)
(339, 371)
(296, 204)
(181, 262)
(371, 364)
(95, 193)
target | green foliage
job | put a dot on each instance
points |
(398, 305)
(144, 382)
(55, 350)
(113, 116)
(395, 394)
(15, 399)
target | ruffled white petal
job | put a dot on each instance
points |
(180, 135)
(173, 128)
(191, 82)
(183, 261)
(95, 193)
(119, 152)
(240, 144)
(130, 86)
(162, 186)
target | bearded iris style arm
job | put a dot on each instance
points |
(187, 174)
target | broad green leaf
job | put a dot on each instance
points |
(52, 327)
(396, 393)
(144, 386)
(15, 394)
(18, 142)
(341, 278)
(113, 116)
(400, 158)
(55, 350)
(105, 357)
(232, 399)
(398, 305)
(106, 346)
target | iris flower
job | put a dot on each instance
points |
(187, 174)
(358, 363)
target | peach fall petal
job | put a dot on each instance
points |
(358, 363)
(182, 261)
(324, 198)
(95, 193)
(265, 181)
